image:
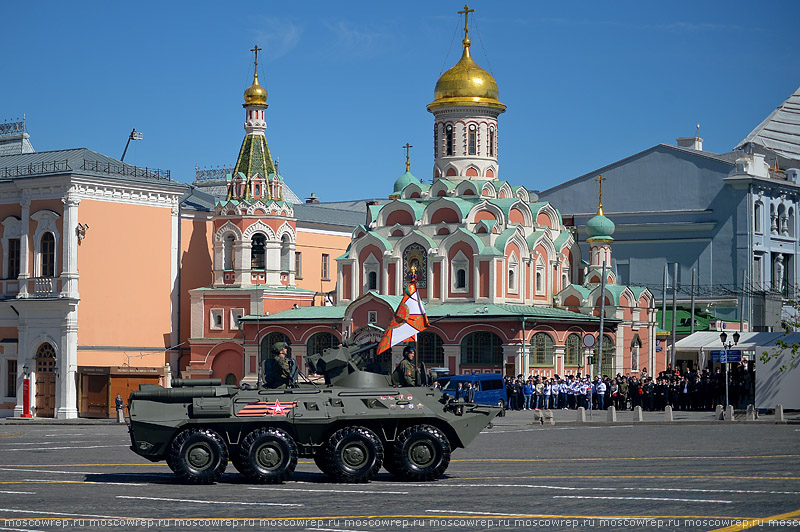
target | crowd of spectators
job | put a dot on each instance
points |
(683, 390)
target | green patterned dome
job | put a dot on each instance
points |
(600, 228)
(404, 180)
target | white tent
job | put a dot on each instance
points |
(773, 386)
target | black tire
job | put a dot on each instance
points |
(420, 452)
(268, 455)
(352, 454)
(198, 456)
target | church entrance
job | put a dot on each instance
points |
(45, 381)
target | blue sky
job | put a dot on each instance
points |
(586, 83)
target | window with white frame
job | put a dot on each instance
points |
(513, 273)
(227, 252)
(371, 270)
(539, 278)
(217, 319)
(298, 264)
(11, 378)
(459, 273)
(236, 315)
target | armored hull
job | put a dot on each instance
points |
(350, 431)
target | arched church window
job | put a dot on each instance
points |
(227, 252)
(448, 139)
(461, 278)
(473, 139)
(257, 252)
(285, 253)
(491, 142)
(48, 255)
(372, 281)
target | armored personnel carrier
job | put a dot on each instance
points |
(352, 424)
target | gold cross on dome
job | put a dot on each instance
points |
(256, 49)
(600, 180)
(466, 13)
(408, 156)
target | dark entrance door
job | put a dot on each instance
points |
(45, 381)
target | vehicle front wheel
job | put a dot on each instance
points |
(352, 454)
(268, 455)
(419, 453)
(198, 456)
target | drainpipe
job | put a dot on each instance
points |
(525, 361)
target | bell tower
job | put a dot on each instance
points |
(465, 110)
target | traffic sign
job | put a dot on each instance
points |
(721, 356)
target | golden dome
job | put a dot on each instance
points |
(255, 93)
(466, 84)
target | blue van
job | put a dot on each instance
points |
(490, 388)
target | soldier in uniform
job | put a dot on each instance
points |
(407, 371)
(282, 373)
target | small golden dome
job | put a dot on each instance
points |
(255, 93)
(466, 84)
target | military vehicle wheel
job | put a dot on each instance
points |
(268, 455)
(353, 454)
(420, 452)
(198, 456)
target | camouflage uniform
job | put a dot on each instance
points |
(408, 373)
(283, 375)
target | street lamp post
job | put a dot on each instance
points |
(724, 337)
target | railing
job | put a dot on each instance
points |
(44, 167)
(212, 174)
(44, 286)
(125, 170)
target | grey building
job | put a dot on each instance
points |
(730, 217)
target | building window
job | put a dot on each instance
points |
(539, 281)
(285, 253)
(217, 317)
(513, 268)
(326, 263)
(13, 258)
(236, 315)
(11, 379)
(473, 139)
(491, 142)
(372, 281)
(542, 349)
(758, 274)
(48, 255)
(257, 252)
(482, 348)
(573, 348)
(320, 342)
(758, 213)
(227, 252)
(430, 349)
(636, 344)
(298, 265)
(607, 367)
(448, 140)
(461, 278)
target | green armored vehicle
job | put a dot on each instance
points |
(351, 425)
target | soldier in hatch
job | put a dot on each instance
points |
(407, 370)
(282, 373)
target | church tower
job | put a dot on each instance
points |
(465, 109)
(254, 227)
(599, 230)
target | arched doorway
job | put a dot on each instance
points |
(45, 381)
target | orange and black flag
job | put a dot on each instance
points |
(409, 319)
